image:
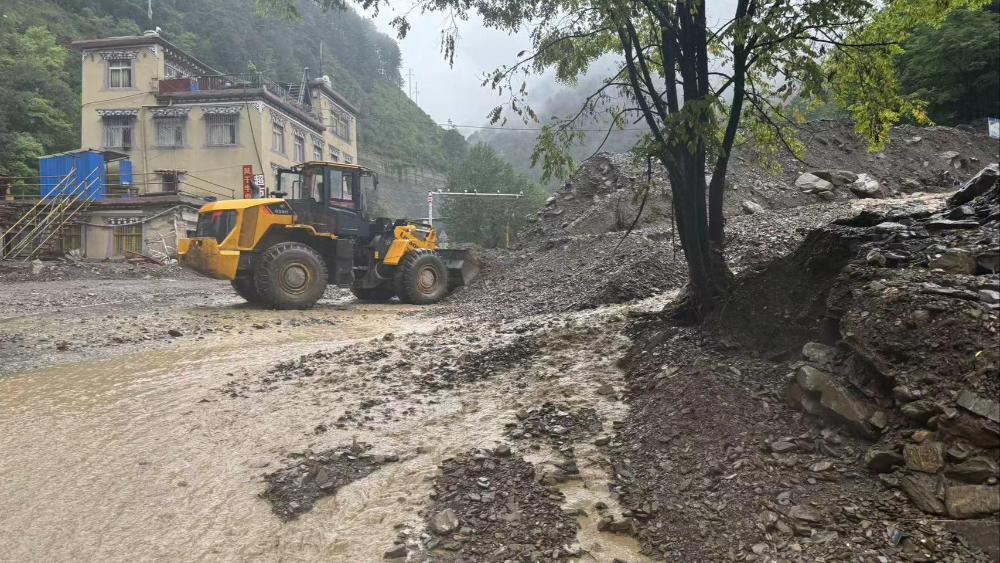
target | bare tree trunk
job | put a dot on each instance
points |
(709, 278)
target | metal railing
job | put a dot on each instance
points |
(287, 92)
(48, 215)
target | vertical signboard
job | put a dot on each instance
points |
(247, 181)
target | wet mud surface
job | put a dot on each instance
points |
(231, 441)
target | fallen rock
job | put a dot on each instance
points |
(921, 410)
(881, 460)
(866, 186)
(812, 182)
(922, 490)
(972, 470)
(752, 207)
(927, 457)
(835, 402)
(398, 552)
(983, 535)
(837, 177)
(805, 513)
(954, 261)
(976, 186)
(819, 354)
(444, 522)
(968, 501)
(982, 406)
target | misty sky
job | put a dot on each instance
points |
(456, 93)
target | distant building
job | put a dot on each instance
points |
(163, 131)
(191, 129)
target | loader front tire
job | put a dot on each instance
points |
(380, 293)
(421, 278)
(290, 275)
(247, 289)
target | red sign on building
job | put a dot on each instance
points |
(247, 181)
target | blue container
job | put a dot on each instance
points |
(90, 171)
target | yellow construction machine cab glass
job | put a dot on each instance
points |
(329, 196)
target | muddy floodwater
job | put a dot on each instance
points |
(118, 442)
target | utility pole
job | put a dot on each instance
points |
(409, 82)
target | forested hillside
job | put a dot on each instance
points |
(39, 76)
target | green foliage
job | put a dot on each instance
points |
(864, 78)
(38, 105)
(486, 220)
(955, 68)
(40, 77)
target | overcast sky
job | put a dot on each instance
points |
(457, 93)
(446, 92)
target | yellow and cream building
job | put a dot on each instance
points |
(190, 129)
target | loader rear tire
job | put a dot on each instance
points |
(290, 275)
(421, 278)
(247, 289)
(380, 293)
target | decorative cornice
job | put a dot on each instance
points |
(171, 112)
(118, 112)
(277, 117)
(317, 139)
(119, 54)
(220, 110)
(299, 131)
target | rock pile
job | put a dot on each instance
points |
(916, 366)
(488, 506)
(294, 490)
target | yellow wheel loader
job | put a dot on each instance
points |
(282, 251)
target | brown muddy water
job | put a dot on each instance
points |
(135, 455)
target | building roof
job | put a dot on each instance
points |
(109, 155)
(139, 40)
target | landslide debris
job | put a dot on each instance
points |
(882, 333)
(488, 506)
(574, 256)
(294, 490)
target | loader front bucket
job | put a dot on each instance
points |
(463, 266)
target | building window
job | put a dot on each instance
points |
(278, 138)
(299, 149)
(317, 151)
(72, 238)
(170, 131)
(348, 159)
(340, 123)
(334, 154)
(118, 132)
(120, 73)
(128, 238)
(170, 181)
(221, 130)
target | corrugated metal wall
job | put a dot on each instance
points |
(90, 169)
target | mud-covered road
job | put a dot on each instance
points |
(139, 418)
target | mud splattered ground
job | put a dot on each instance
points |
(173, 446)
(163, 419)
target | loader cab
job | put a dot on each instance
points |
(329, 196)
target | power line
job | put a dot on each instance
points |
(493, 128)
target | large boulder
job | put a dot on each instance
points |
(816, 392)
(976, 186)
(866, 186)
(812, 183)
(837, 177)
